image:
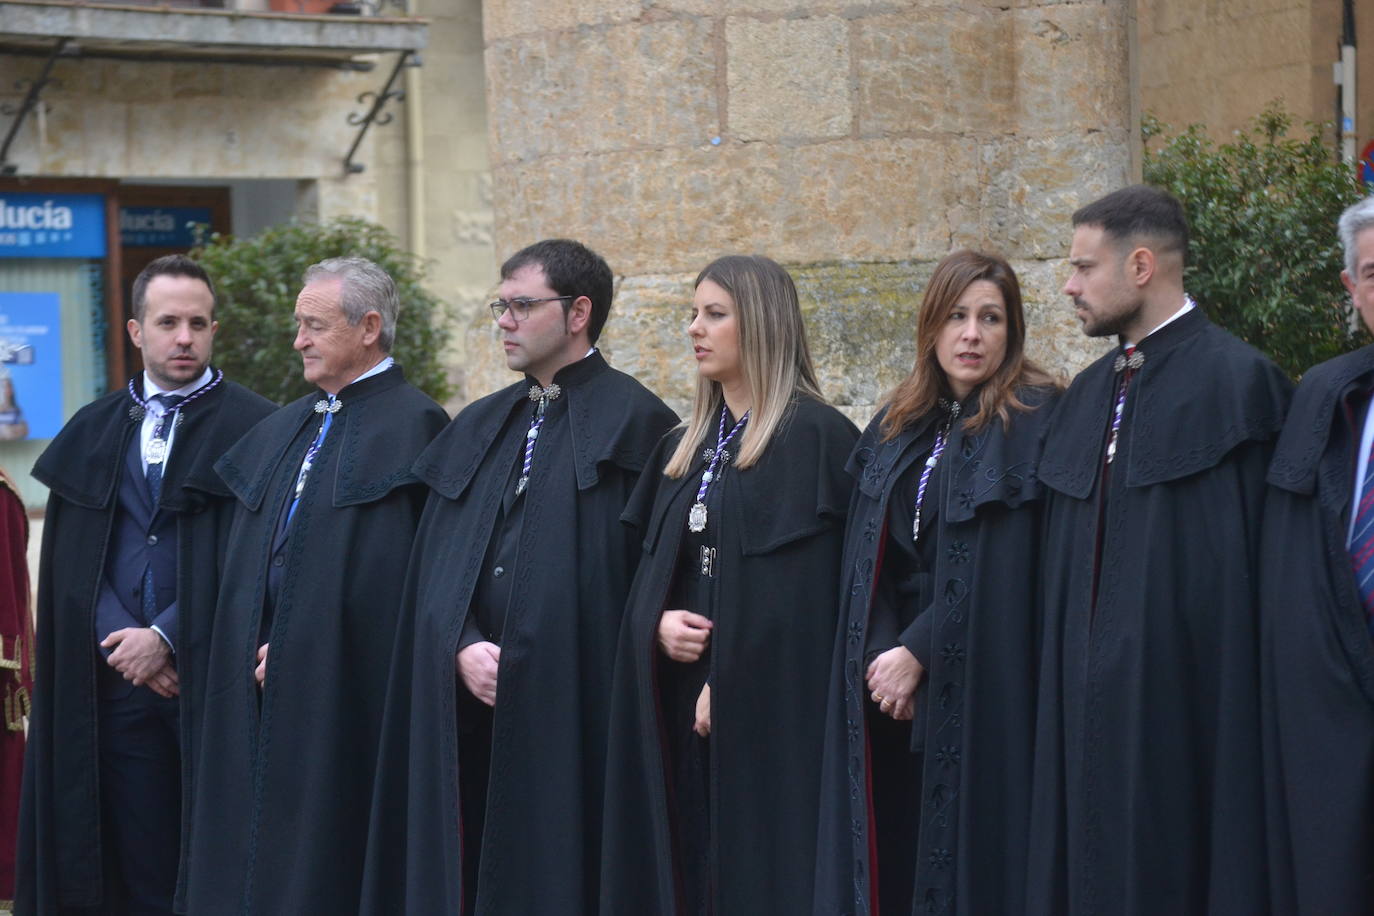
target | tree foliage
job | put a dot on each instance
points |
(1264, 260)
(257, 279)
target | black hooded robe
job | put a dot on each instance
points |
(539, 848)
(60, 859)
(1148, 792)
(1317, 666)
(977, 639)
(285, 774)
(779, 527)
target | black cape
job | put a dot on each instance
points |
(539, 849)
(1317, 665)
(59, 864)
(780, 534)
(981, 634)
(285, 775)
(1147, 794)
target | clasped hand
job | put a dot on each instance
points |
(893, 677)
(144, 658)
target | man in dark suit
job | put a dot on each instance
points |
(1316, 619)
(132, 544)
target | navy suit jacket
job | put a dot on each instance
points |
(141, 536)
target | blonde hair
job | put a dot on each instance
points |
(774, 358)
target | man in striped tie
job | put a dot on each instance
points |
(1317, 596)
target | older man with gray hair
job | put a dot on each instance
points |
(1317, 614)
(327, 508)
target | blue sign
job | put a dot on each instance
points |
(30, 365)
(52, 226)
(161, 227)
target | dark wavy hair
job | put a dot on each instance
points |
(921, 391)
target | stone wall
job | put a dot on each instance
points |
(856, 142)
(1219, 63)
(447, 218)
(144, 119)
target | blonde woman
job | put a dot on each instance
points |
(725, 652)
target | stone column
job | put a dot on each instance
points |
(856, 142)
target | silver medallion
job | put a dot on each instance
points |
(696, 518)
(156, 452)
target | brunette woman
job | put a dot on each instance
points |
(930, 734)
(721, 678)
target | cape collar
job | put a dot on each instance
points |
(1315, 451)
(996, 464)
(1199, 393)
(783, 497)
(82, 463)
(370, 465)
(574, 374)
(603, 420)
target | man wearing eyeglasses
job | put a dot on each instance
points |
(491, 770)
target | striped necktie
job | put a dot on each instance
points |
(153, 475)
(1362, 545)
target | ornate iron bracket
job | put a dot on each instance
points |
(31, 101)
(376, 102)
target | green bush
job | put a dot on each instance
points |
(257, 280)
(1264, 260)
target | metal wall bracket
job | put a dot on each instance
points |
(376, 101)
(31, 101)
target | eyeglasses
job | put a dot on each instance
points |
(520, 308)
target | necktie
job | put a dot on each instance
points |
(157, 447)
(311, 452)
(1362, 546)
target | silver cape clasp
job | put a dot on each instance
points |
(548, 394)
(323, 406)
(1132, 362)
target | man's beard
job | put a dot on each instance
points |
(1098, 325)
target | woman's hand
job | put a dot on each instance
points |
(893, 677)
(682, 635)
(703, 723)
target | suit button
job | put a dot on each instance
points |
(152, 540)
(499, 571)
(278, 560)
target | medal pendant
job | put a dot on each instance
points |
(157, 451)
(696, 519)
(521, 485)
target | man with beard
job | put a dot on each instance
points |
(133, 542)
(327, 508)
(1147, 794)
(490, 780)
(1316, 600)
